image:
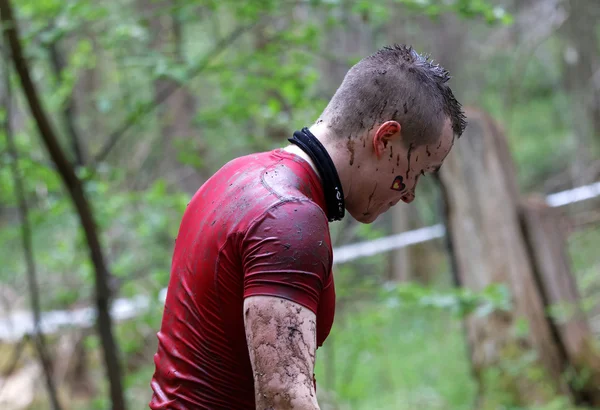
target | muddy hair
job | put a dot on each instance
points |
(395, 83)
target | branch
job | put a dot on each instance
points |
(445, 211)
(5, 154)
(58, 65)
(150, 106)
(38, 336)
(80, 201)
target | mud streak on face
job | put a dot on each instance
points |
(350, 145)
(410, 148)
(370, 199)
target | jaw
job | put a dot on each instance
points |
(364, 217)
(364, 212)
(369, 219)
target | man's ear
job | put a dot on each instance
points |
(383, 135)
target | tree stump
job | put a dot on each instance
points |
(515, 364)
(545, 230)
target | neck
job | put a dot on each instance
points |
(335, 149)
(294, 149)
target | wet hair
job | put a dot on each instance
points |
(396, 83)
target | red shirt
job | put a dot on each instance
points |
(257, 227)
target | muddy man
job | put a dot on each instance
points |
(251, 294)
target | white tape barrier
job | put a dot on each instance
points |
(358, 250)
(14, 326)
(574, 195)
(19, 323)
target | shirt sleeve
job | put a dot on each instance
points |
(287, 254)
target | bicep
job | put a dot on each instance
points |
(287, 253)
(281, 338)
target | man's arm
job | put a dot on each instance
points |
(281, 338)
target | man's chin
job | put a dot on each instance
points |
(366, 218)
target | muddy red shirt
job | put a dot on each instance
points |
(257, 227)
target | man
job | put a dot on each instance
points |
(251, 294)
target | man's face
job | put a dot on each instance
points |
(391, 169)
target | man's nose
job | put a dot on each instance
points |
(408, 198)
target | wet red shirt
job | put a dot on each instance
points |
(257, 227)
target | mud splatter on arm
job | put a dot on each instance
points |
(281, 338)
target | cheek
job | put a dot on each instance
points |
(401, 184)
(398, 183)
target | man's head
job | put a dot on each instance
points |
(396, 118)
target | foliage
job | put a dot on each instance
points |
(395, 352)
(394, 346)
(459, 302)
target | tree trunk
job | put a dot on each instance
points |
(68, 113)
(26, 237)
(545, 229)
(581, 62)
(80, 201)
(483, 221)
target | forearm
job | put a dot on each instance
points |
(281, 380)
(285, 390)
(282, 343)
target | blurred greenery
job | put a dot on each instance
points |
(393, 345)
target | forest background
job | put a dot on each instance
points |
(140, 101)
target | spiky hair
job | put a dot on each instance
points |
(396, 83)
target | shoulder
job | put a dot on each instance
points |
(296, 232)
(287, 253)
(292, 178)
(293, 214)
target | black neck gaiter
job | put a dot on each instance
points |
(334, 195)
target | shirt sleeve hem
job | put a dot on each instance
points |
(263, 292)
